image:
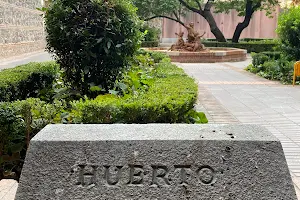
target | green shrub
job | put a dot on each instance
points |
(251, 46)
(27, 80)
(19, 122)
(151, 38)
(151, 33)
(289, 32)
(169, 99)
(280, 69)
(272, 54)
(150, 44)
(157, 56)
(93, 40)
(12, 140)
(259, 59)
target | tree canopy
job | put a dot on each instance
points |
(175, 9)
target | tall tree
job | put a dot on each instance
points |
(245, 8)
(205, 11)
(175, 9)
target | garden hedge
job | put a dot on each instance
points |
(253, 46)
(169, 100)
(26, 80)
(150, 44)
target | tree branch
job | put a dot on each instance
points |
(163, 16)
(208, 5)
(175, 14)
(199, 5)
(190, 7)
(256, 6)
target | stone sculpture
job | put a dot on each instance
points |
(180, 42)
(193, 40)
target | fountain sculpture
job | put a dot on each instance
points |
(193, 40)
(193, 51)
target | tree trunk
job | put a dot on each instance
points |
(238, 31)
(213, 26)
(242, 25)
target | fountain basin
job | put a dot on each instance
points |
(212, 55)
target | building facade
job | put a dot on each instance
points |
(21, 27)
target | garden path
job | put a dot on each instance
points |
(11, 62)
(229, 94)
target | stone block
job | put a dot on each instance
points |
(155, 161)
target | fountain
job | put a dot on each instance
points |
(193, 51)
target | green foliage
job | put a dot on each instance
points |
(150, 8)
(272, 54)
(274, 69)
(19, 122)
(27, 80)
(240, 6)
(93, 41)
(157, 56)
(150, 44)
(12, 129)
(259, 59)
(151, 33)
(151, 38)
(251, 46)
(289, 32)
(169, 98)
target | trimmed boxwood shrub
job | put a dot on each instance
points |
(93, 40)
(272, 54)
(26, 80)
(168, 100)
(251, 46)
(150, 44)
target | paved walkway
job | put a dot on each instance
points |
(229, 94)
(8, 189)
(38, 56)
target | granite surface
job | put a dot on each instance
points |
(155, 161)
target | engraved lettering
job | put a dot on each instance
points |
(135, 174)
(87, 172)
(206, 174)
(183, 174)
(117, 175)
(160, 172)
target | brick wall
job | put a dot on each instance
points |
(21, 27)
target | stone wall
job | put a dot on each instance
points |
(21, 27)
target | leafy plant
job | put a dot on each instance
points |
(259, 59)
(289, 32)
(93, 41)
(151, 33)
(169, 98)
(12, 140)
(272, 68)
